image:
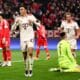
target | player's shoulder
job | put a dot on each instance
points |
(64, 22)
(5, 21)
(74, 22)
(30, 15)
(64, 42)
(18, 17)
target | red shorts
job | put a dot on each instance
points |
(42, 42)
(7, 43)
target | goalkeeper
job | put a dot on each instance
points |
(66, 61)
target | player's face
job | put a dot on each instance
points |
(68, 18)
(22, 11)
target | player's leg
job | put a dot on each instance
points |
(8, 51)
(4, 57)
(75, 69)
(26, 62)
(38, 49)
(24, 56)
(37, 52)
(73, 52)
(30, 57)
(3, 54)
(30, 51)
(47, 50)
(24, 51)
(0, 48)
(8, 55)
(73, 43)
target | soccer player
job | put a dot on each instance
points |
(5, 41)
(72, 31)
(66, 61)
(42, 41)
(25, 22)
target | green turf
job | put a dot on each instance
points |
(40, 69)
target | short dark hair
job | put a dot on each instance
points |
(62, 34)
(23, 5)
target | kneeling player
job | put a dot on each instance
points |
(5, 41)
(66, 61)
(42, 41)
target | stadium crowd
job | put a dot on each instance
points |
(50, 12)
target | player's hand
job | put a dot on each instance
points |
(13, 34)
(76, 37)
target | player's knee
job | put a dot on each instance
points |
(4, 49)
(30, 51)
(30, 54)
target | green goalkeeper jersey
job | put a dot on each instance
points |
(65, 57)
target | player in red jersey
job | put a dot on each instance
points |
(5, 41)
(42, 41)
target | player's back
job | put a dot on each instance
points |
(65, 57)
(61, 47)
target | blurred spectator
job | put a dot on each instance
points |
(50, 12)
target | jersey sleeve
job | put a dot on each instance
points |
(34, 20)
(42, 31)
(62, 24)
(15, 24)
(76, 25)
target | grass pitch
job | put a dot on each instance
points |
(40, 68)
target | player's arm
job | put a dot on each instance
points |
(77, 33)
(15, 24)
(34, 20)
(61, 28)
(77, 29)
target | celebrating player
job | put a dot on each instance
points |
(66, 61)
(71, 28)
(24, 21)
(5, 41)
(42, 41)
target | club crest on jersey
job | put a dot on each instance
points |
(25, 25)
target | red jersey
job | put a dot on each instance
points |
(41, 34)
(4, 33)
(4, 29)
